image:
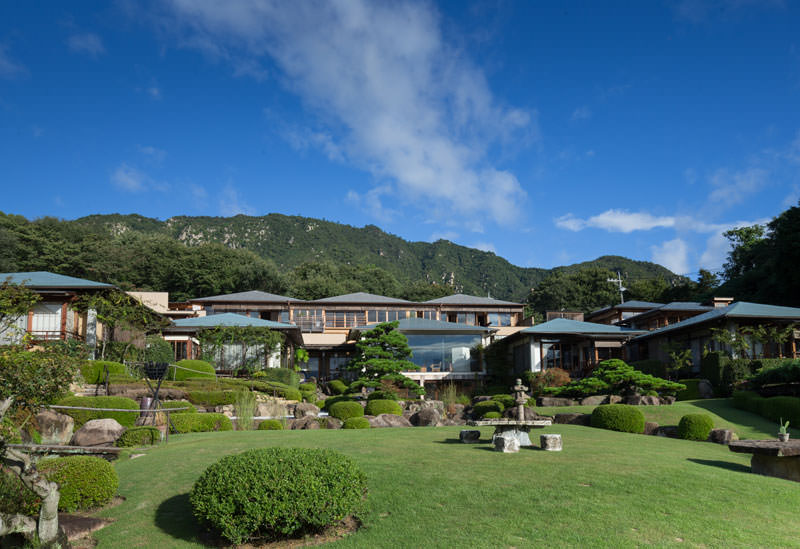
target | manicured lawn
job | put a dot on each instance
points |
(428, 490)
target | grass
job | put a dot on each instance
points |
(427, 489)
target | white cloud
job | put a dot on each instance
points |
(484, 247)
(396, 99)
(88, 43)
(581, 113)
(619, 221)
(733, 188)
(8, 67)
(230, 203)
(672, 254)
(371, 202)
(129, 179)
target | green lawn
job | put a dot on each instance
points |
(429, 490)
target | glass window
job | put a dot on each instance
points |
(466, 318)
(428, 315)
(309, 320)
(284, 316)
(499, 319)
(344, 319)
(444, 353)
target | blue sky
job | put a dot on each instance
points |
(549, 133)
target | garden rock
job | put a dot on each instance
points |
(667, 400)
(98, 432)
(650, 428)
(333, 423)
(506, 445)
(227, 409)
(303, 409)
(427, 417)
(551, 443)
(468, 436)
(614, 399)
(573, 419)
(307, 422)
(417, 405)
(594, 400)
(388, 420)
(705, 389)
(530, 413)
(670, 431)
(55, 428)
(554, 401)
(642, 400)
(722, 436)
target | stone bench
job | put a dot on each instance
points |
(772, 458)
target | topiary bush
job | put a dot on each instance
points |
(345, 410)
(270, 425)
(274, 493)
(695, 426)
(84, 481)
(308, 396)
(480, 409)
(377, 407)
(506, 400)
(618, 417)
(492, 415)
(170, 404)
(337, 386)
(139, 436)
(356, 423)
(197, 369)
(82, 416)
(201, 423)
(330, 401)
(212, 398)
(308, 386)
(92, 371)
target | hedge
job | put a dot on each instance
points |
(82, 416)
(330, 401)
(618, 417)
(480, 409)
(777, 408)
(492, 415)
(201, 423)
(212, 398)
(337, 386)
(506, 400)
(378, 407)
(308, 386)
(723, 372)
(139, 436)
(287, 376)
(273, 493)
(692, 391)
(308, 396)
(382, 395)
(191, 369)
(270, 425)
(786, 372)
(170, 404)
(345, 410)
(695, 426)
(84, 481)
(93, 373)
(356, 423)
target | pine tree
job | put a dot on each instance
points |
(382, 353)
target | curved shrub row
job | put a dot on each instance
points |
(201, 423)
(618, 417)
(191, 369)
(337, 386)
(170, 404)
(772, 408)
(82, 416)
(212, 398)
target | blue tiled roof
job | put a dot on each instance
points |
(44, 279)
(567, 326)
(633, 304)
(428, 325)
(230, 319)
(254, 296)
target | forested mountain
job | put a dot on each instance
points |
(302, 256)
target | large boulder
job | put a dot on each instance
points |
(388, 420)
(614, 399)
(303, 409)
(456, 411)
(595, 400)
(333, 423)
(426, 417)
(470, 436)
(642, 400)
(417, 405)
(227, 409)
(307, 422)
(55, 428)
(722, 436)
(555, 401)
(98, 432)
(705, 389)
(573, 419)
(667, 400)
(650, 428)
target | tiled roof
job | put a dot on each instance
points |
(44, 279)
(428, 325)
(633, 304)
(254, 296)
(361, 297)
(230, 319)
(464, 299)
(567, 326)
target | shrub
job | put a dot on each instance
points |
(345, 410)
(337, 386)
(308, 386)
(292, 394)
(618, 417)
(616, 377)
(382, 395)
(15, 497)
(377, 407)
(9, 432)
(651, 393)
(762, 364)
(320, 404)
(92, 370)
(191, 369)
(270, 425)
(464, 400)
(287, 376)
(506, 400)
(272, 493)
(84, 481)
(212, 398)
(170, 404)
(480, 409)
(748, 400)
(695, 426)
(492, 415)
(356, 423)
(139, 436)
(724, 372)
(245, 409)
(785, 407)
(330, 401)
(551, 377)
(82, 416)
(692, 391)
(308, 396)
(787, 372)
(201, 423)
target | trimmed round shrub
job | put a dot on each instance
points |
(212, 398)
(492, 415)
(274, 493)
(345, 410)
(377, 407)
(695, 426)
(480, 409)
(82, 416)
(618, 417)
(356, 423)
(143, 435)
(320, 404)
(270, 425)
(506, 400)
(92, 370)
(201, 423)
(337, 386)
(170, 404)
(195, 369)
(330, 401)
(382, 395)
(651, 393)
(85, 481)
(308, 386)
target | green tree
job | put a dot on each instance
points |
(746, 243)
(584, 290)
(382, 353)
(15, 301)
(240, 347)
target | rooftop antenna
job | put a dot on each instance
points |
(618, 281)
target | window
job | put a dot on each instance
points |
(309, 320)
(344, 319)
(427, 315)
(284, 316)
(499, 319)
(445, 353)
(466, 318)
(46, 321)
(179, 348)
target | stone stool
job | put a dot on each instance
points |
(551, 443)
(470, 437)
(507, 445)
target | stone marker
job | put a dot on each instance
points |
(507, 445)
(469, 436)
(98, 432)
(551, 443)
(55, 428)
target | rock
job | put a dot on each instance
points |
(595, 400)
(98, 432)
(705, 389)
(667, 400)
(227, 409)
(388, 420)
(551, 443)
(722, 436)
(333, 423)
(506, 445)
(650, 428)
(554, 401)
(427, 417)
(670, 431)
(55, 428)
(469, 436)
(573, 419)
(417, 405)
(303, 409)
(456, 411)
(774, 466)
(453, 421)
(642, 400)
(303, 423)
(614, 399)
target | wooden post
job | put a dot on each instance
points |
(166, 431)
(64, 321)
